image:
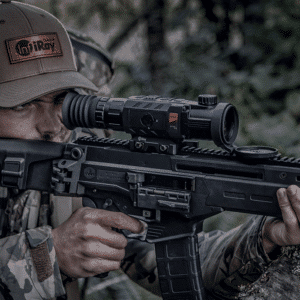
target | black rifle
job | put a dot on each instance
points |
(157, 176)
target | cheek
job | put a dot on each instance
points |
(11, 127)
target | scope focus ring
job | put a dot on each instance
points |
(99, 113)
(83, 111)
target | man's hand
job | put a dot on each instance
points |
(277, 232)
(86, 245)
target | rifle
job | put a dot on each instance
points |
(160, 176)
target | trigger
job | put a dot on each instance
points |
(87, 202)
(138, 236)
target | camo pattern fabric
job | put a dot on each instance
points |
(18, 209)
(92, 68)
(28, 264)
(140, 265)
(95, 70)
(232, 259)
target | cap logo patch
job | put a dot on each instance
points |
(33, 46)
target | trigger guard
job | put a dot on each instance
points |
(87, 202)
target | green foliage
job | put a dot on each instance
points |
(108, 12)
(260, 75)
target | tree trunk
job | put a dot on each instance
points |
(281, 281)
(159, 56)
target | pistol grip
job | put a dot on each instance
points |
(179, 269)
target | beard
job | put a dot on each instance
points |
(63, 136)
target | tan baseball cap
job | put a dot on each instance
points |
(36, 56)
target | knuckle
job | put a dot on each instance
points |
(87, 249)
(293, 187)
(123, 242)
(78, 230)
(115, 255)
(90, 266)
(116, 265)
(84, 229)
(119, 218)
(293, 223)
(88, 215)
(82, 210)
(122, 254)
(292, 190)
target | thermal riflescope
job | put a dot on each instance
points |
(155, 117)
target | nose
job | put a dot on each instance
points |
(48, 120)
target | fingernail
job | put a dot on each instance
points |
(281, 192)
(292, 190)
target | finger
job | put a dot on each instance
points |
(122, 221)
(288, 214)
(113, 219)
(104, 235)
(293, 193)
(92, 267)
(95, 249)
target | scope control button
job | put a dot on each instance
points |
(256, 152)
(147, 120)
(207, 100)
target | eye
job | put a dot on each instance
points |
(59, 101)
(25, 106)
(20, 107)
(60, 98)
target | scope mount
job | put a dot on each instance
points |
(165, 146)
(148, 144)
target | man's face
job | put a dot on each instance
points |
(40, 119)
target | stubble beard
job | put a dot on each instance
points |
(62, 137)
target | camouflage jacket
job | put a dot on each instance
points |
(29, 269)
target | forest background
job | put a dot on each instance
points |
(245, 51)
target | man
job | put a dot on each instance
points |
(37, 70)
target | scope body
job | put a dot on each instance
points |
(154, 116)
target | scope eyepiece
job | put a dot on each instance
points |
(154, 116)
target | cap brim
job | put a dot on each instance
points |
(24, 90)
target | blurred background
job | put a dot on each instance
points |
(245, 51)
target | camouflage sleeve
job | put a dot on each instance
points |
(234, 258)
(28, 266)
(140, 265)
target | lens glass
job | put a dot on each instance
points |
(230, 125)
